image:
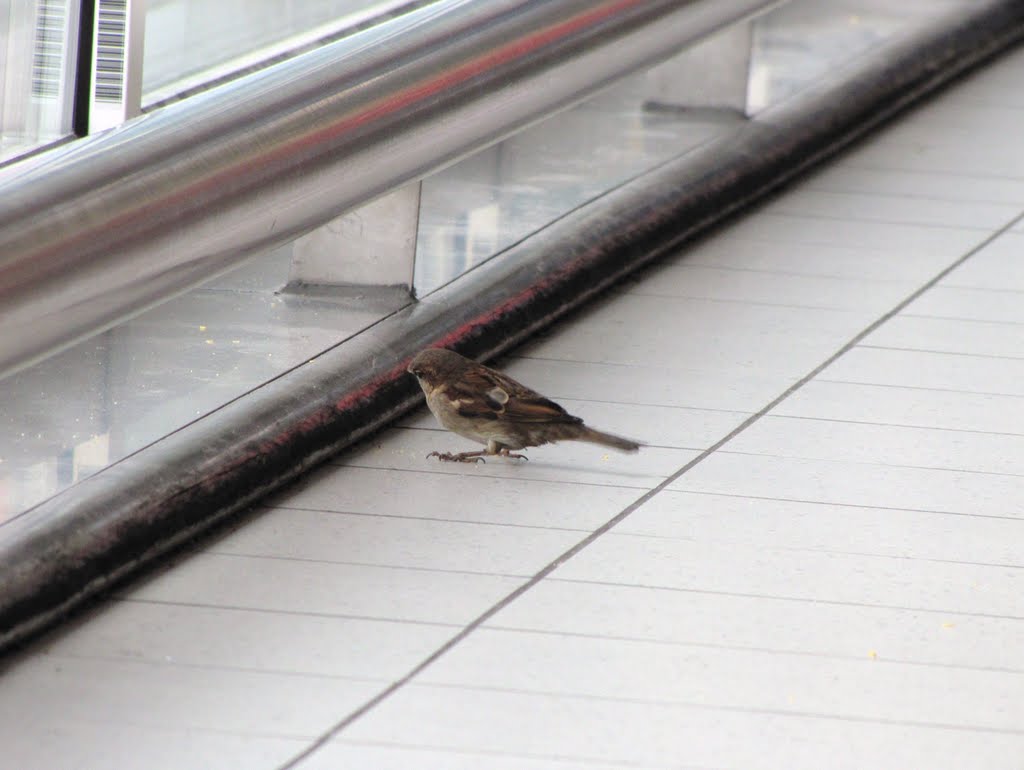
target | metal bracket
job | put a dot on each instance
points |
(375, 245)
(713, 74)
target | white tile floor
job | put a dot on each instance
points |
(815, 563)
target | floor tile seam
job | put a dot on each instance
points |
(812, 185)
(974, 229)
(937, 352)
(870, 463)
(432, 471)
(693, 258)
(989, 289)
(965, 99)
(872, 220)
(855, 164)
(748, 544)
(611, 523)
(827, 243)
(944, 612)
(478, 474)
(966, 320)
(346, 616)
(689, 260)
(170, 665)
(991, 202)
(704, 541)
(410, 518)
(727, 708)
(849, 162)
(184, 727)
(943, 138)
(865, 659)
(350, 563)
(582, 761)
(885, 424)
(900, 386)
(798, 192)
(747, 302)
(830, 503)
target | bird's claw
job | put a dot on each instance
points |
(448, 457)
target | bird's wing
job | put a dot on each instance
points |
(484, 392)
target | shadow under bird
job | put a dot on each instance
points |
(490, 408)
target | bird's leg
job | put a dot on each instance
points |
(462, 457)
(505, 453)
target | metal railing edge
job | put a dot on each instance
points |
(111, 224)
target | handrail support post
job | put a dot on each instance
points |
(374, 245)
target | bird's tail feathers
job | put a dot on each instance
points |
(609, 440)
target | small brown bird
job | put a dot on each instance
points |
(491, 408)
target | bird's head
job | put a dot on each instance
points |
(435, 365)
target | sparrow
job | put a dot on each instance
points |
(491, 408)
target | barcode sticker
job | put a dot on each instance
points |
(111, 25)
(48, 51)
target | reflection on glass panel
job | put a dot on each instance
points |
(38, 41)
(801, 41)
(73, 414)
(485, 203)
(189, 42)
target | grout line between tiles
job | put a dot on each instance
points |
(833, 189)
(690, 261)
(871, 463)
(829, 504)
(218, 667)
(348, 563)
(188, 730)
(478, 474)
(881, 424)
(374, 515)
(583, 761)
(694, 258)
(392, 567)
(794, 599)
(662, 642)
(746, 544)
(731, 301)
(517, 480)
(782, 211)
(963, 319)
(296, 613)
(1002, 394)
(515, 576)
(913, 172)
(930, 351)
(992, 289)
(858, 164)
(625, 512)
(894, 222)
(700, 705)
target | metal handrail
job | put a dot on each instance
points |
(104, 227)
